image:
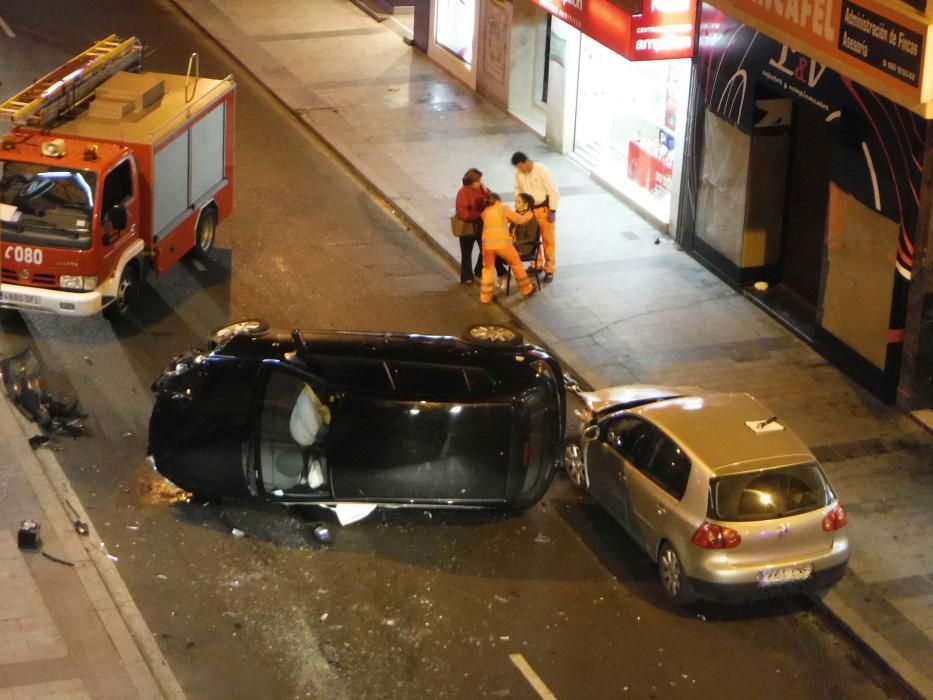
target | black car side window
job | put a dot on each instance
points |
(361, 374)
(670, 468)
(423, 378)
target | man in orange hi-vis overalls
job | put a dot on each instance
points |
(497, 241)
(535, 179)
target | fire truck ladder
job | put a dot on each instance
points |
(73, 82)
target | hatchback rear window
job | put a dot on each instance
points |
(772, 493)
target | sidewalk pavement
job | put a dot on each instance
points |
(624, 307)
(66, 632)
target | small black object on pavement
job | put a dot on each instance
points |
(323, 534)
(28, 537)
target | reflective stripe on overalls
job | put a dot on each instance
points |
(496, 227)
(497, 241)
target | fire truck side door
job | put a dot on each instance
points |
(118, 191)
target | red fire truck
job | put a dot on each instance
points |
(109, 174)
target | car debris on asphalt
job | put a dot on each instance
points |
(323, 534)
(57, 560)
(22, 379)
(79, 525)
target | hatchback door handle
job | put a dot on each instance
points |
(661, 509)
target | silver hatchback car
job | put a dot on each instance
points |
(726, 499)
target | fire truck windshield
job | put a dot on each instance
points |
(46, 206)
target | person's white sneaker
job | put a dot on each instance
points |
(502, 282)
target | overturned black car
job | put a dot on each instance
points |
(331, 417)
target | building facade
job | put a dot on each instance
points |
(805, 183)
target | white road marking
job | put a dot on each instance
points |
(533, 678)
(6, 28)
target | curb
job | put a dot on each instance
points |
(128, 631)
(874, 644)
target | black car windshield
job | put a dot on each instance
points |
(772, 493)
(293, 421)
(43, 205)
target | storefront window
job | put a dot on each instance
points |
(630, 123)
(453, 27)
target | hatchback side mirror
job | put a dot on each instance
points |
(591, 432)
(118, 217)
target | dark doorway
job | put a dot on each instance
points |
(808, 176)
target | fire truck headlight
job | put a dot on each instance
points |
(79, 283)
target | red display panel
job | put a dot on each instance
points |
(664, 28)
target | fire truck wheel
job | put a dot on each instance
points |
(127, 291)
(207, 226)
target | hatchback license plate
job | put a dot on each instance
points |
(17, 298)
(784, 574)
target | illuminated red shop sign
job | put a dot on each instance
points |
(664, 29)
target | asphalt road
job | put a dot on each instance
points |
(404, 604)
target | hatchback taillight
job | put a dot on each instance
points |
(712, 536)
(835, 519)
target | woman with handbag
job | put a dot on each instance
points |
(467, 225)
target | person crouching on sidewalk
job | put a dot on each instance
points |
(497, 243)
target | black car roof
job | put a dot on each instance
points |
(330, 353)
(411, 347)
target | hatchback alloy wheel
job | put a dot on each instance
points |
(671, 573)
(576, 469)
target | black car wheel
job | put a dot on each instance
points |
(575, 466)
(673, 579)
(127, 291)
(493, 335)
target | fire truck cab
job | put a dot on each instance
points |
(109, 174)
